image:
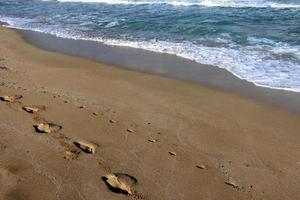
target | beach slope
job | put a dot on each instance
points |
(164, 138)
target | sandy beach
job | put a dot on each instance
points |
(176, 140)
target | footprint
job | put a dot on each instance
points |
(85, 147)
(30, 109)
(47, 127)
(10, 98)
(120, 182)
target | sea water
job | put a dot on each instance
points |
(256, 40)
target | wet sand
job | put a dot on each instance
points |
(166, 65)
(248, 149)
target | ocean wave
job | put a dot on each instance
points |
(202, 3)
(112, 24)
(261, 63)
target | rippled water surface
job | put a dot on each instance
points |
(257, 40)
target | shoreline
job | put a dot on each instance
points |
(166, 65)
(177, 140)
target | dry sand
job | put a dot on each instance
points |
(179, 140)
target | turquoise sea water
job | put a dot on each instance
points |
(256, 40)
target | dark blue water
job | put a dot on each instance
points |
(257, 40)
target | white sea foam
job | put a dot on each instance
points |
(112, 24)
(204, 3)
(259, 63)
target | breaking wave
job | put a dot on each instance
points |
(203, 3)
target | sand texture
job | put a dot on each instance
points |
(112, 134)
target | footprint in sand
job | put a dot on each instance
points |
(152, 140)
(86, 147)
(201, 166)
(120, 182)
(112, 121)
(30, 109)
(33, 109)
(172, 153)
(47, 127)
(95, 113)
(130, 130)
(10, 98)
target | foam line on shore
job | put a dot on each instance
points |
(204, 3)
(235, 60)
